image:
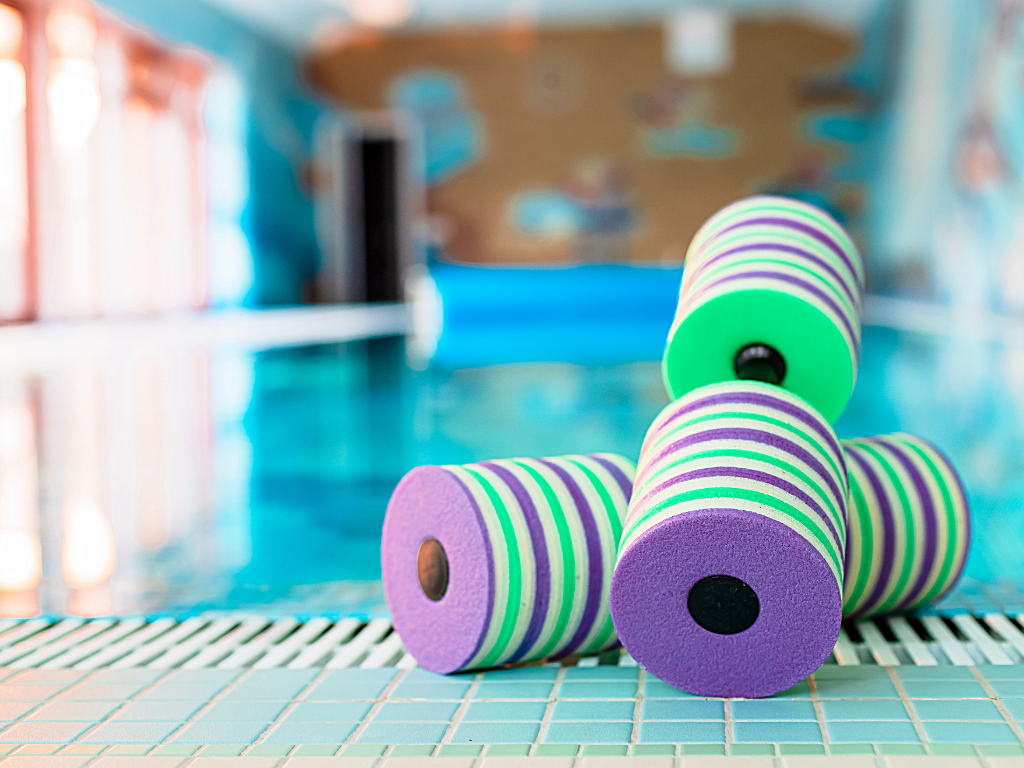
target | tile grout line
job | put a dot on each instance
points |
(908, 705)
(819, 713)
(545, 720)
(93, 758)
(292, 703)
(374, 709)
(38, 705)
(456, 717)
(634, 736)
(131, 700)
(990, 692)
(69, 686)
(230, 686)
(727, 714)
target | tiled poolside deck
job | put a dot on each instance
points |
(888, 714)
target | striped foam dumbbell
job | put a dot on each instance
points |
(909, 525)
(504, 561)
(729, 577)
(771, 291)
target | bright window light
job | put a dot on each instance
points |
(88, 554)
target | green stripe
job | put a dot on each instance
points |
(908, 515)
(515, 576)
(867, 550)
(760, 457)
(613, 518)
(749, 416)
(720, 492)
(568, 559)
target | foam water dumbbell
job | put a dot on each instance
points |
(729, 578)
(771, 291)
(504, 561)
(909, 525)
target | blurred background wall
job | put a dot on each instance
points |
(538, 133)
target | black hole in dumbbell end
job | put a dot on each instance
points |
(760, 362)
(723, 604)
(432, 569)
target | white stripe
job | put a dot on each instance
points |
(854, 543)
(652, 458)
(756, 411)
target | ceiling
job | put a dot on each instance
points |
(299, 24)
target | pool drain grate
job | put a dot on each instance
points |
(230, 641)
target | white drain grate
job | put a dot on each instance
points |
(245, 641)
(960, 639)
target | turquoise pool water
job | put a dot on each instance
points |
(334, 428)
(300, 448)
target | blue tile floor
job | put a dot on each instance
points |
(876, 713)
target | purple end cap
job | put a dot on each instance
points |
(428, 503)
(800, 604)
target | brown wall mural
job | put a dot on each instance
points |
(582, 145)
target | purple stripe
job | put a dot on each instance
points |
(542, 594)
(817, 234)
(618, 474)
(812, 289)
(763, 401)
(747, 474)
(888, 529)
(824, 265)
(596, 578)
(490, 566)
(967, 511)
(928, 514)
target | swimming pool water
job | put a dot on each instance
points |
(334, 428)
(303, 446)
